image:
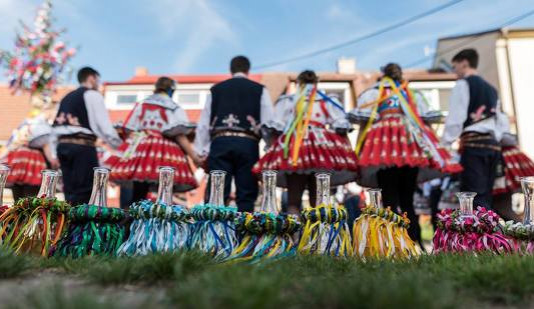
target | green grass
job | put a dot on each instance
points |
(191, 279)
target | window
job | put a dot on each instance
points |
(188, 98)
(126, 99)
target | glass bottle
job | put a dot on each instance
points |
(4, 172)
(217, 188)
(466, 203)
(268, 202)
(527, 184)
(100, 185)
(323, 189)
(166, 183)
(375, 198)
(48, 184)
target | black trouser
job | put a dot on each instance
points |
(20, 191)
(77, 163)
(236, 156)
(140, 190)
(480, 170)
(398, 186)
(296, 184)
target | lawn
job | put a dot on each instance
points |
(190, 279)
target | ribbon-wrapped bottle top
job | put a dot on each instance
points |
(527, 184)
(100, 186)
(217, 179)
(166, 182)
(4, 172)
(375, 198)
(466, 203)
(48, 184)
(323, 189)
(268, 202)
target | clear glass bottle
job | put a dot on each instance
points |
(375, 198)
(466, 203)
(166, 183)
(527, 184)
(323, 189)
(48, 184)
(217, 187)
(4, 172)
(268, 202)
(99, 195)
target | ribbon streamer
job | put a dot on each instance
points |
(156, 228)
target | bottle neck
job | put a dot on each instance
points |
(323, 189)
(527, 184)
(4, 172)
(466, 200)
(100, 185)
(375, 197)
(268, 203)
(48, 184)
(217, 179)
(166, 182)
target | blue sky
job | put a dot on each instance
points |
(200, 36)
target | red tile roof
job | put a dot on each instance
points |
(183, 79)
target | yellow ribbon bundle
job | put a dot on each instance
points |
(381, 233)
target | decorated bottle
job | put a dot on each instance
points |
(48, 184)
(466, 203)
(166, 183)
(217, 179)
(375, 198)
(268, 202)
(4, 172)
(323, 189)
(527, 184)
(100, 186)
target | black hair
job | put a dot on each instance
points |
(164, 84)
(239, 64)
(470, 54)
(85, 72)
(393, 71)
(307, 77)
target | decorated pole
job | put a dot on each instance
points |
(35, 223)
(265, 234)
(326, 230)
(158, 226)
(380, 233)
(522, 233)
(214, 231)
(94, 228)
(4, 172)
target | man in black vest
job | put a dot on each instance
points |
(473, 112)
(81, 119)
(228, 132)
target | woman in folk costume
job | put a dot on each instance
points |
(313, 140)
(28, 153)
(396, 149)
(158, 128)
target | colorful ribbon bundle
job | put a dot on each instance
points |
(380, 232)
(92, 230)
(326, 231)
(156, 228)
(214, 230)
(522, 236)
(264, 235)
(479, 232)
(33, 224)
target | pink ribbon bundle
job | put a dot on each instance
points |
(480, 232)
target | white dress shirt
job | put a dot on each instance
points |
(98, 121)
(203, 139)
(458, 106)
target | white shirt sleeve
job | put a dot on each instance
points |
(99, 118)
(202, 137)
(266, 110)
(458, 105)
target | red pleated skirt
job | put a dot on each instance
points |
(26, 165)
(516, 165)
(143, 162)
(322, 150)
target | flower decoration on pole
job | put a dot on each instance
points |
(39, 58)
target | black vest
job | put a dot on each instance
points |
(482, 100)
(236, 105)
(72, 111)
